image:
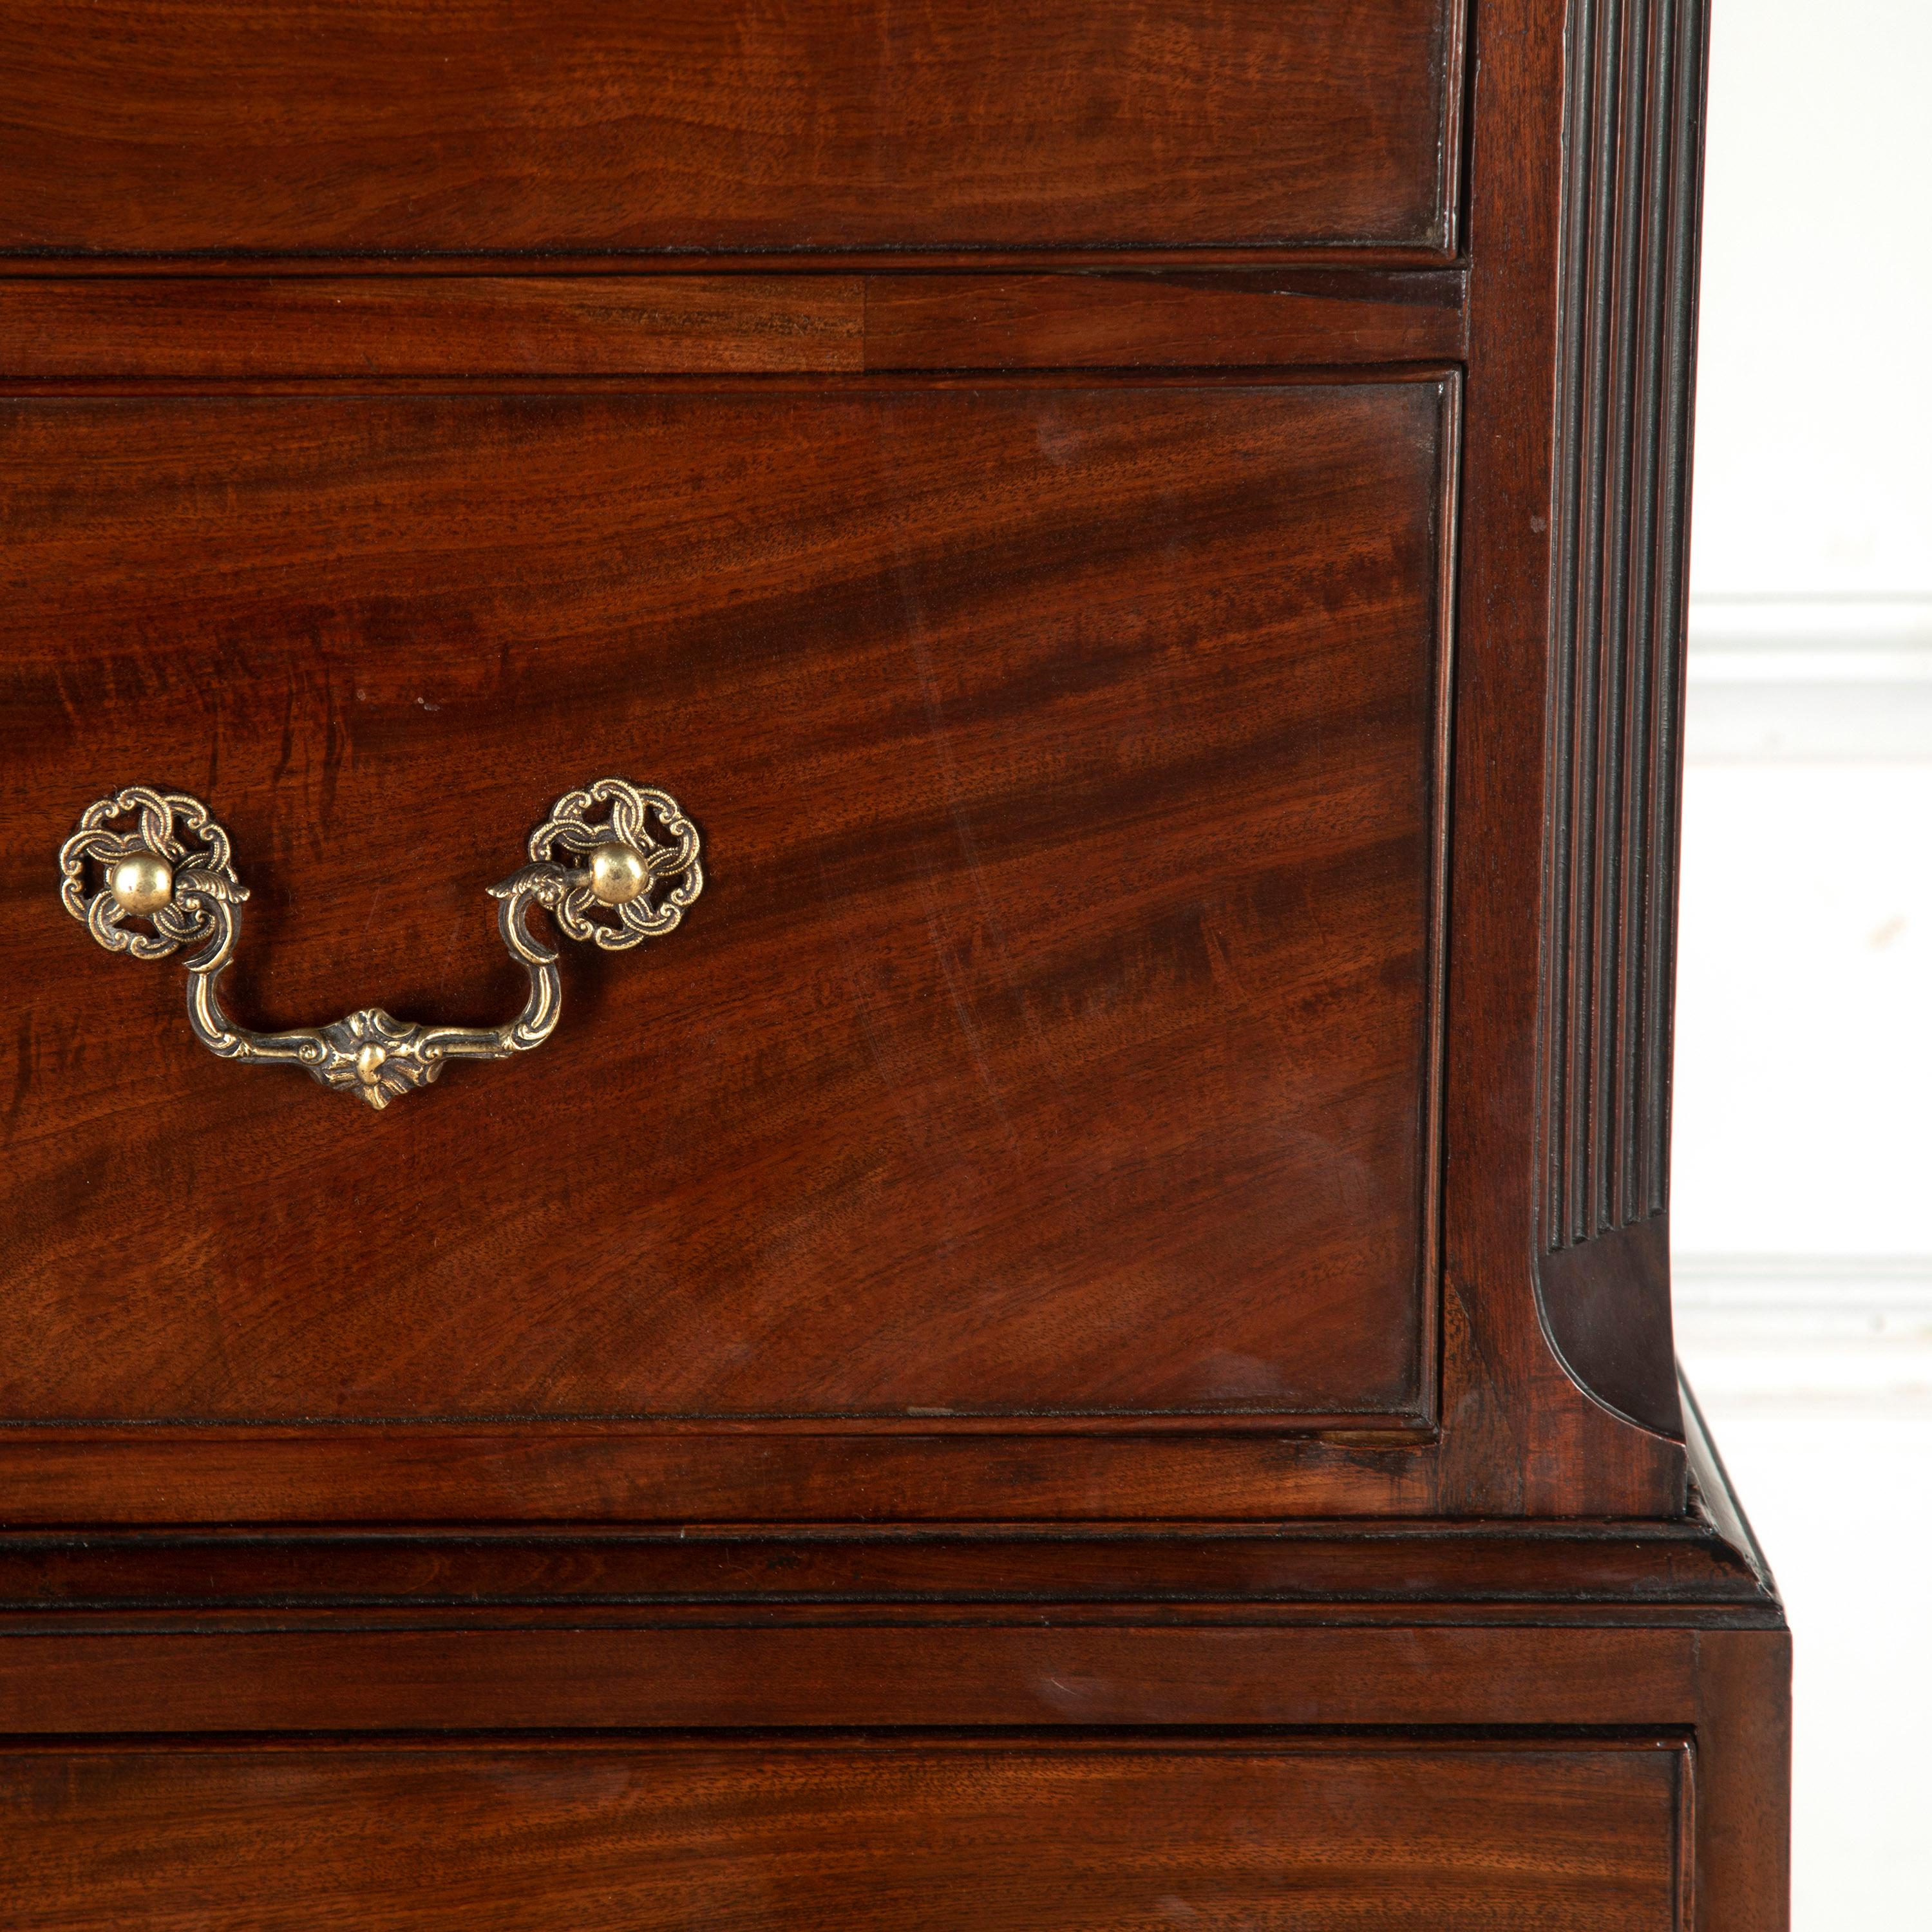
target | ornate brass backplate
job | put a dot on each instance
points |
(170, 872)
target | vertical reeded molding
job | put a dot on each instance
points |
(1626, 345)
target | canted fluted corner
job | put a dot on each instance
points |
(147, 870)
(1619, 555)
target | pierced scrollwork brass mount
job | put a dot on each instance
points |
(171, 870)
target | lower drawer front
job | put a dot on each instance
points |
(934, 1835)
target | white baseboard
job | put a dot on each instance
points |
(1780, 1329)
(1809, 680)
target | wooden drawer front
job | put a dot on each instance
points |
(576, 126)
(1054, 1034)
(1039, 1840)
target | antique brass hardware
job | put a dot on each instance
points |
(173, 869)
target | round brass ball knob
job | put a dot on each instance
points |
(141, 883)
(618, 874)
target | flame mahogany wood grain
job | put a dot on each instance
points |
(1054, 1035)
(938, 1835)
(1059, 493)
(559, 126)
(1517, 1435)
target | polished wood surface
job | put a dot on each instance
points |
(237, 328)
(1087, 1344)
(1054, 1034)
(1521, 1436)
(1621, 568)
(1683, 1566)
(1497, 1127)
(1556, 1683)
(525, 1669)
(253, 329)
(1249, 317)
(828, 1470)
(930, 1835)
(179, 126)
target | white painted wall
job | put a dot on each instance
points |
(1801, 1206)
(1813, 410)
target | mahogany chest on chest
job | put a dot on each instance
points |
(839, 851)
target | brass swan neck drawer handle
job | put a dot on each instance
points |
(172, 869)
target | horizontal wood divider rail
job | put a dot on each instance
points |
(1346, 258)
(856, 1676)
(347, 326)
(1040, 322)
(344, 328)
(578, 1569)
(586, 1474)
